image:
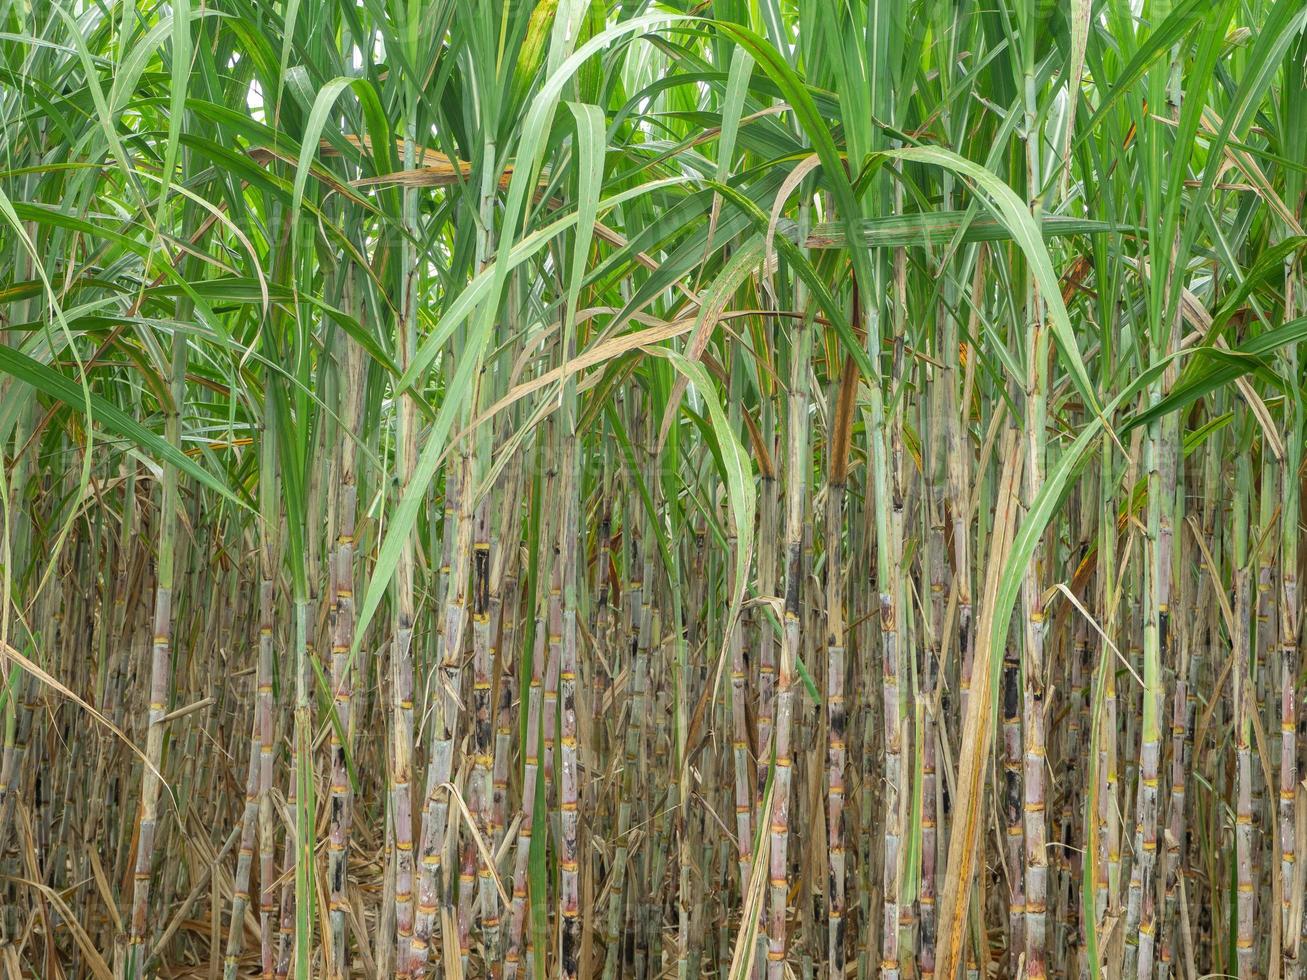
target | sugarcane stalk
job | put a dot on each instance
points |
(836, 722)
(1034, 720)
(342, 566)
(160, 673)
(931, 653)
(639, 615)
(531, 787)
(433, 886)
(1013, 797)
(522, 848)
(1289, 667)
(797, 458)
(401, 645)
(248, 840)
(1246, 898)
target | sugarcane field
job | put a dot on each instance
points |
(653, 489)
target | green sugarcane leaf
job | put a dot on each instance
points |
(1211, 368)
(103, 413)
(1009, 208)
(741, 492)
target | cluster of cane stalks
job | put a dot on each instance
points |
(623, 489)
